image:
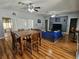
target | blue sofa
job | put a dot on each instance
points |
(52, 35)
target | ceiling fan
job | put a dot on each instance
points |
(30, 6)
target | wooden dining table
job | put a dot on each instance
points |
(23, 34)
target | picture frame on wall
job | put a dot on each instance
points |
(57, 19)
(38, 21)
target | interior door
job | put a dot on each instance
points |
(73, 23)
(46, 25)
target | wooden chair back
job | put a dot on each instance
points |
(39, 38)
(16, 43)
(13, 40)
(35, 37)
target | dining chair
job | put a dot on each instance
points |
(39, 38)
(34, 38)
(29, 43)
(24, 43)
(16, 43)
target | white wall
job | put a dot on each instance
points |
(1, 30)
(21, 17)
(39, 25)
(77, 25)
(70, 15)
(46, 18)
(18, 20)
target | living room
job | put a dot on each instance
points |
(52, 19)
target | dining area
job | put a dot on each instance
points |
(29, 44)
(29, 40)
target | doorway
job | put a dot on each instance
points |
(46, 25)
(6, 24)
(73, 24)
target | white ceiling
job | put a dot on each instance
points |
(47, 6)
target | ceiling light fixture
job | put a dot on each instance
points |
(31, 10)
(31, 7)
(53, 15)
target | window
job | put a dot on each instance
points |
(6, 23)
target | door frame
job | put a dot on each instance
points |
(70, 23)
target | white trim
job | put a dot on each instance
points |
(2, 37)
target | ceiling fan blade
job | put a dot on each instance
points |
(22, 3)
(19, 2)
(37, 7)
(36, 10)
(30, 3)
